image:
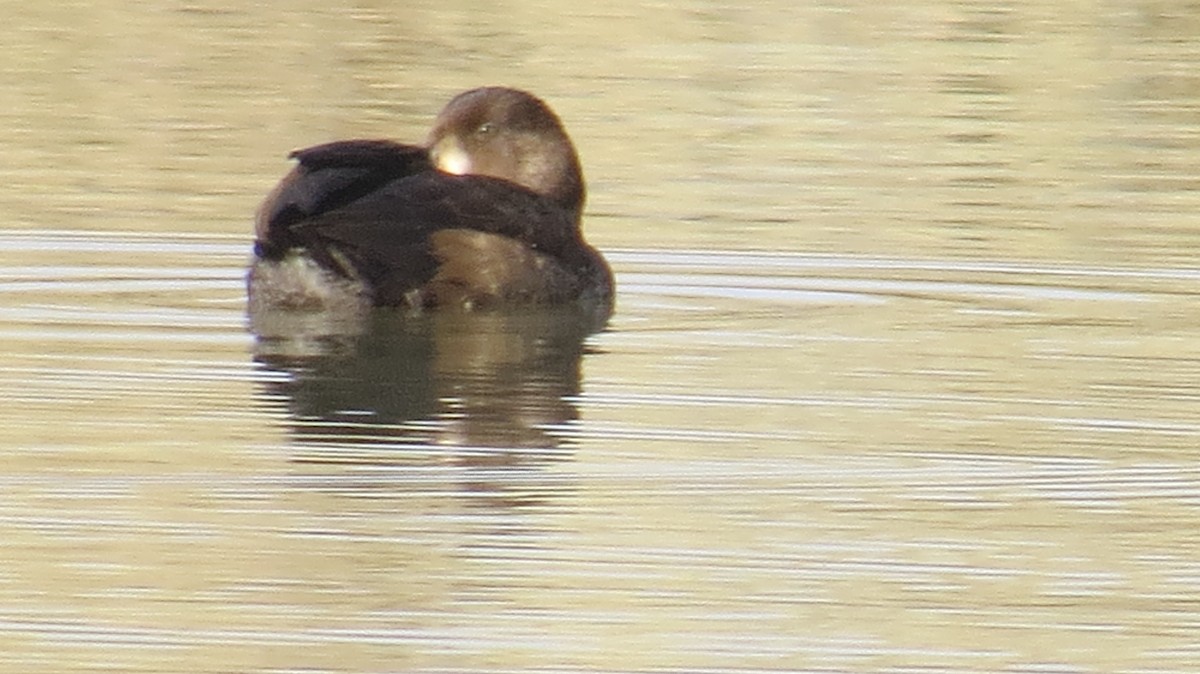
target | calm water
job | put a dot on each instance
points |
(903, 375)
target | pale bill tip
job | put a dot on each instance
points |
(454, 160)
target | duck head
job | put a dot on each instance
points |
(512, 135)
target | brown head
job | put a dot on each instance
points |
(508, 134)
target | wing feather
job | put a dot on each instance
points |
(369, 208)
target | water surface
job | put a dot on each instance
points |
(902, 375)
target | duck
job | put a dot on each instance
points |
(485, 214)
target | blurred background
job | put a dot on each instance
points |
(902, 376)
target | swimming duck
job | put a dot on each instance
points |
(486, 213)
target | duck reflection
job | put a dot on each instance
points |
(500, 385)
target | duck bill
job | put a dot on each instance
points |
(450, 156)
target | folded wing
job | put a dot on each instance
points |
(370, 209)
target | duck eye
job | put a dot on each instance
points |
(485, 129)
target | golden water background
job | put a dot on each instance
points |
(903, 375)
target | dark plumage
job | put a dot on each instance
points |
(487, 213)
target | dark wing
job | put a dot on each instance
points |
(385, 235)
(328, 177)
(381, 155)
(367, 208)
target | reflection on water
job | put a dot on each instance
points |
(902, 377)
(487, 379)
